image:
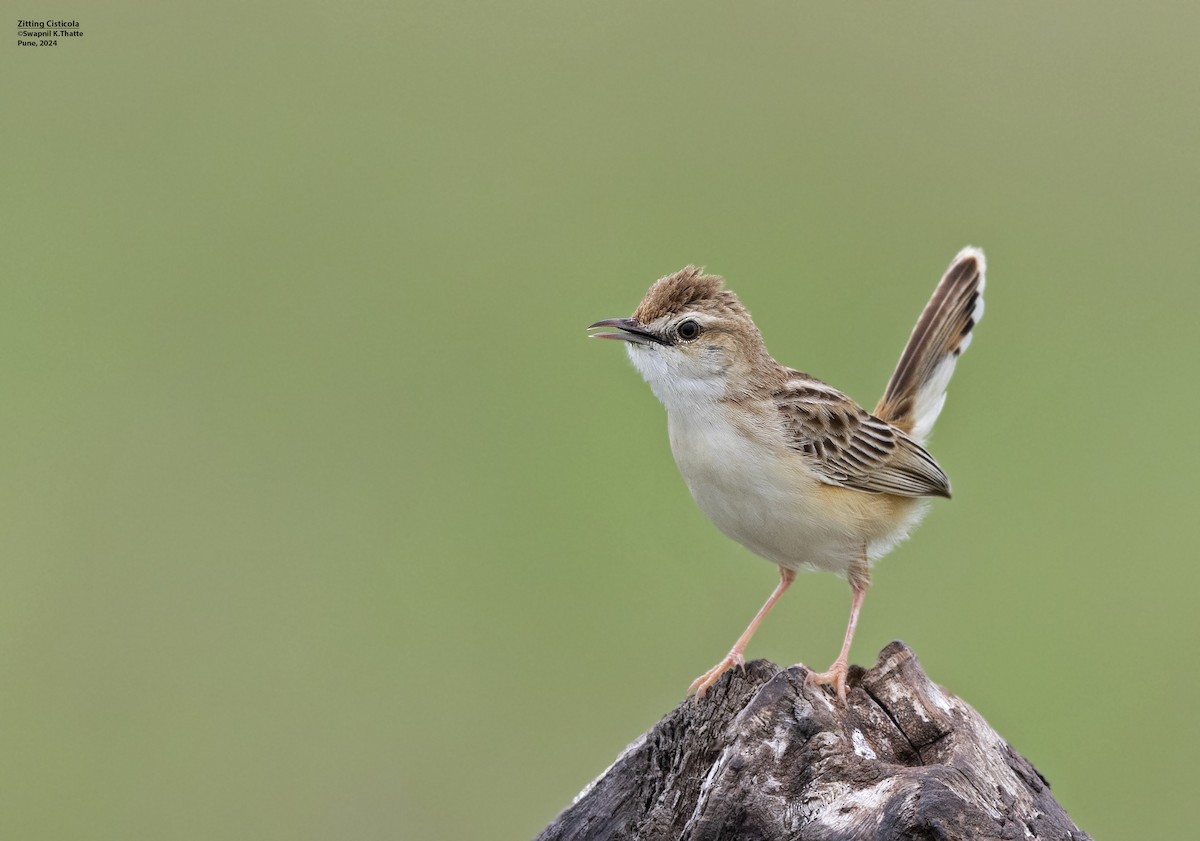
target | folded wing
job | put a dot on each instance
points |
(849, 447)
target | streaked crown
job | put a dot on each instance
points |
(687, 290)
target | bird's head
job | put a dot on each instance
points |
(689, 338)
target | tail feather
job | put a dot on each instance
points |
(917, 390)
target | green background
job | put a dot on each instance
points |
(320, 517)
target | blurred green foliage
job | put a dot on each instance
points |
(322, 519)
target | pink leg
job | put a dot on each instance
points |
(837, 672)
(735, 656)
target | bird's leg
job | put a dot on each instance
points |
(734, 657)
(860, 580)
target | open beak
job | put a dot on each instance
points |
(631, 332)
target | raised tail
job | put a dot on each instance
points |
(915, 393)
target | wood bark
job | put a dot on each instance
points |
(765, 756)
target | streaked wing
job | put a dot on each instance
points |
(849, 447)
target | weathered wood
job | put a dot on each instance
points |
(765, 756)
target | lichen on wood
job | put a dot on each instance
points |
(764, 755)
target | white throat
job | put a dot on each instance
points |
(679, 387)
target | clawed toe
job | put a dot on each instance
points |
(835, 676)
(701, 684)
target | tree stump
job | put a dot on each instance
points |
(766, 756)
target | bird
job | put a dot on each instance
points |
(789, 467)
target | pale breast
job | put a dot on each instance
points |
(765, 499)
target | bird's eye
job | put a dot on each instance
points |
(688, 330)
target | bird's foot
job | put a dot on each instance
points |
(700, 685)
(835, 676)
